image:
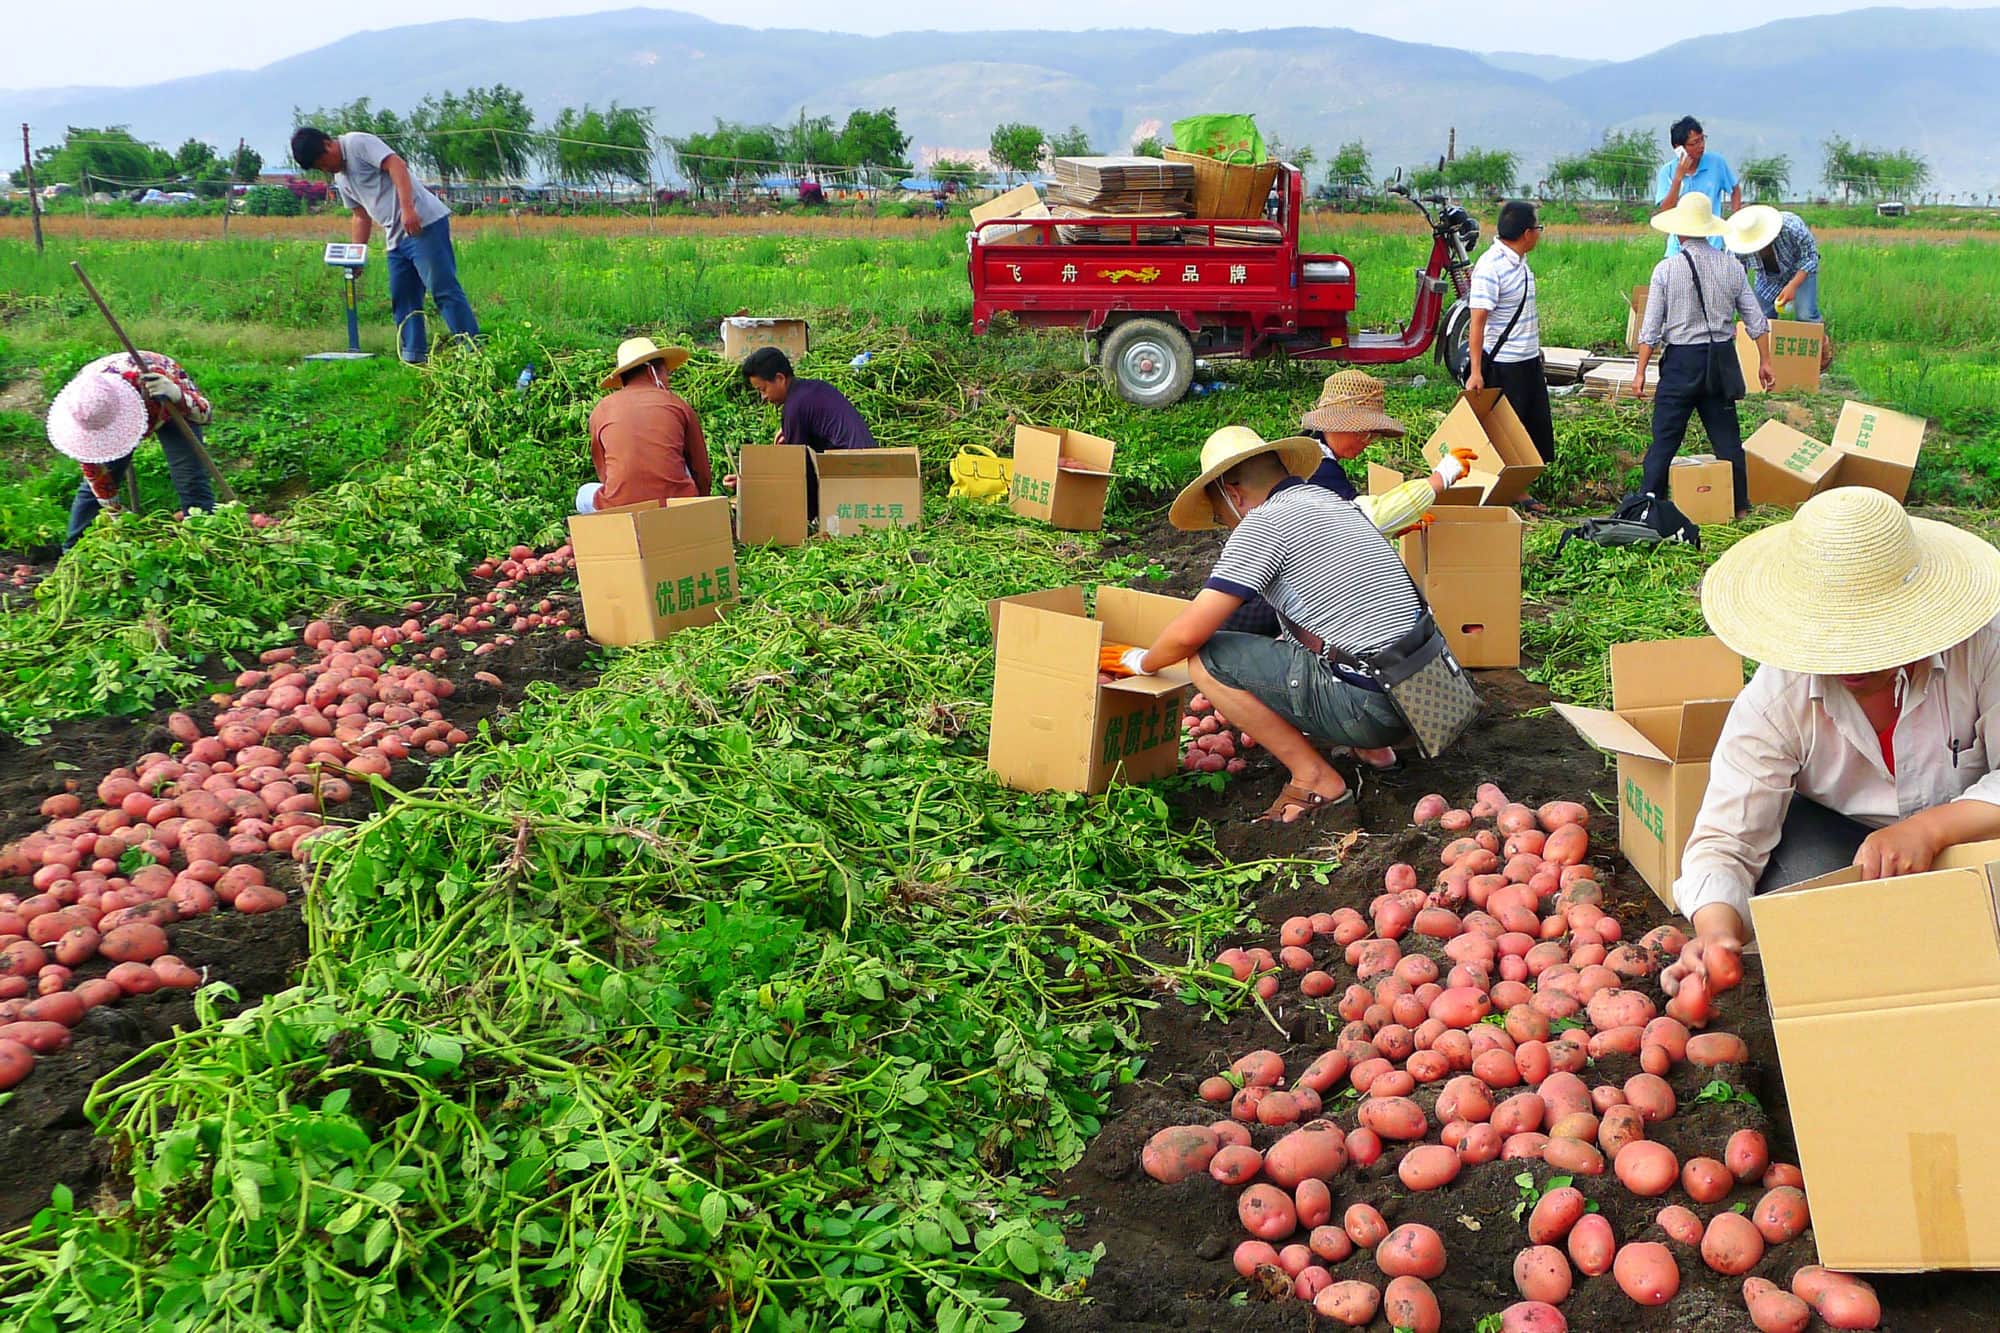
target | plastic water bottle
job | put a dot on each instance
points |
(1419, 382)
(521, 383)
(862, 360)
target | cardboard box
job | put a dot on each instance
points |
(1898, 1179)
(1787, 466)
(1054, 727)
(1795, 349)
(1484, 422)
(648, 570)
(1879, 448)
(742, 335)
(869, 488)
(1669, 699)
(771, 495)
(1635, 318)
(1467, 563)
(1071, 498)
(1703, 487)
(1020, 202)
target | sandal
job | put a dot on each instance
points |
(1311, 804)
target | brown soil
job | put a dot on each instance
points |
(1167, 1248)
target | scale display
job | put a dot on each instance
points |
(346, 254)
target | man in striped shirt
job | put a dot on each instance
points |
(1506, 329)
(1330, 576)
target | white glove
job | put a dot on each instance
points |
(586, 497)
(1448, 469)
(1134, 661)
(162, 386)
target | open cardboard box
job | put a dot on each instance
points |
(1703, 487)
(1669, 699)
(1789, 467)
(1878, 447)
(1506, 461)
(1054, 727)
(1020, 202)
(1072, 497)
(771, 495)
(1467, 563)
(742, 335)
(869, 488)
(1884, 1033)
(650, 569)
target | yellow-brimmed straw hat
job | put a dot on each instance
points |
(636, 352)
(1192, 510)
(1694, 215)
(1351, 400)
(1849, 585)
(1749, 230)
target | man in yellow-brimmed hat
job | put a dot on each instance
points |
(645, 441)
(1870, 734)
(1340, 593)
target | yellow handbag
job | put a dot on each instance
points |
(977, 473)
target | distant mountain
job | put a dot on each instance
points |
(1888, 77)
(1540, 66)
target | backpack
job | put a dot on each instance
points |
(1641, 519)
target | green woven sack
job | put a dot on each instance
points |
(1232, 139)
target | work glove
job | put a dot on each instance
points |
(1455, 465)
(586, 497)
(162, 386)
(1121, 659)
(1417, 526)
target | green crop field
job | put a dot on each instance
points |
(722, 988)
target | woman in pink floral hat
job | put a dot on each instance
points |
(103, 413)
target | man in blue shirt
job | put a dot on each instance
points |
(1694, 168)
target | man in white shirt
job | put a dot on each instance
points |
(1506, 329)
(372, 179)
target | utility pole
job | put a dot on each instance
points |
(1451, 145)
(34, 199)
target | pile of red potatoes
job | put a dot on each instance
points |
(1497, 986)
(179, 833)
(1213, 745)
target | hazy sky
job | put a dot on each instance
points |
(146, 41)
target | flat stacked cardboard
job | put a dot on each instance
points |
(1703, 487)
(771, 495)
(1899, 1179)
(1507, 461)
(1054, 727)
(1020, 202)
(1613, 378)
(869, 488)
(1467, 564)
(742, 335)
(1787, 466)
(1669, 699)
(1140, 185)
(1878, 447)
(1567, 365)
(650, 570)
(1061, 477)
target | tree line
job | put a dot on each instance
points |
(112, 159)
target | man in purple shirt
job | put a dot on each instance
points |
(811, 413)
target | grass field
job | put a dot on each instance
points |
(721, 988)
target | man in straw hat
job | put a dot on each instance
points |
(1690, 309)
(1784, 260)
(1332, 580)
(103, 413)
(645, 441)
(1870, 734)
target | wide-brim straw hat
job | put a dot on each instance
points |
(1193, 511)
(1749, 230)
(1693, 215)
(636, 352)
(1851, 584)
(97, 418)
(1351, 400)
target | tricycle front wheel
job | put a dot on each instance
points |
(1147, 362)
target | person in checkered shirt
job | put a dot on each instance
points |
(101, 416)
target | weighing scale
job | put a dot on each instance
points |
(349, 258)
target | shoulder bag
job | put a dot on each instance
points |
(1723, 375)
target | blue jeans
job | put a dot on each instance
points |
(1805, 301)
(426, 262)
(190, 480)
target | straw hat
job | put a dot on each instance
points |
(1851, 584)
(636, 352)
(97, 418)
(1192, 511)
(1351, 400)
(1694, 215)
(1751, 229)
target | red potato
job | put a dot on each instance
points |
(1235, 1164)
(1646, 1272)
(1651, 1096)
(1747, 1154)
(1230, 1134)
(1524, 1146)
(1278, 1108)
(135, 978)
(1554, 815)
(1621, 1125)
(1428, 1167)
(1781, 1215)
(1350, 1303)
(40, 1036)
(1313, 1152)
(1364, 1226)
(64, 1007)
(1396, 1118)
(1364, 1147)
(1541, 1273)
(1574, 1156)
(1216, 1088)
(1330, 1244)
(17, 1061)
(1592, 1245)
(1783, 1173)
(1567, 845)
(1522, 1113)
(22, 958)
(1647, 1169)
(1680, 1224)
(1294, 1260)
(134, 942)
(1465, 1098)
(1579, 1125)
(1564, 1094)
(1773, 1309)
(1706, 1180)
(1177, 1152)
(1313, 1202)
(1325, 1071)
(1409, 1303)
(1732, 1244)
(1252, 1255)
(1411, 1250)
(98, 990)
(257, 898)
(1533, 1317)
(174, 973)
(1267, 1212)
(1261, 1069)
(1554, 1214)
(1461, 1006)
(1310, 1282)
(1844, 1302)
(1717, 1048)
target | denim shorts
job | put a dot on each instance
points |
(1304, 691)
